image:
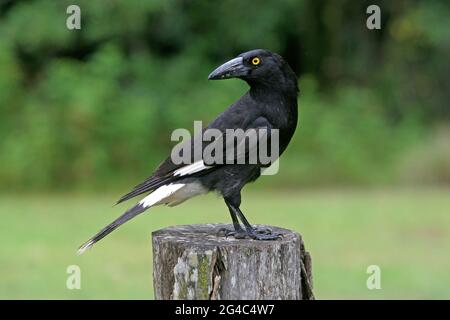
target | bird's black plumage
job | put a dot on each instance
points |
(271, 103)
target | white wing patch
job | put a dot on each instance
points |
(190, 190)
(173, 194)
(191, 168)
(161, 194)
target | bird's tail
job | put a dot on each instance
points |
(129, 214)
(162, 195)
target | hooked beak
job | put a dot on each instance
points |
(231, 69)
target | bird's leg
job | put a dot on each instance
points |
(236, 225)
(250, 231)
(254, 233)
(238, 232)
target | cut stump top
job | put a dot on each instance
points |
(208, 235)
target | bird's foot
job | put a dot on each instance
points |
(254, 233)
(263, 234)
(262, 230)
(237, 233)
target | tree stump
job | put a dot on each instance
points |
(193, 262)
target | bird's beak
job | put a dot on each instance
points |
(232, 69)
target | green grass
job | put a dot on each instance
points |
(404, 231)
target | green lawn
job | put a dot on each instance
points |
(404, 231)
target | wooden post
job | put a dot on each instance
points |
(193, 262)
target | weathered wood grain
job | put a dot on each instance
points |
(194, 262)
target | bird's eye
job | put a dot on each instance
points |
(256, 61)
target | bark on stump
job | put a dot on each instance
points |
(193, 262)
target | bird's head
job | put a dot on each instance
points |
(258, 68)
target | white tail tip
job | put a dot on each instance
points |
(84, 247)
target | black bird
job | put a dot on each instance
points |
(271, 103)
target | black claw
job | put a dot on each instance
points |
(272, 236)
(263, 231)
(238, 234)
(264, 234)
(223, 232)
(254, 233)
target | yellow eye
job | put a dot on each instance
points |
(256, 61)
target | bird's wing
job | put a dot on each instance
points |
(169, 172)
(162, 177)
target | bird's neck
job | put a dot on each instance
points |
(277, 104)
(286, 87)
(267, 92)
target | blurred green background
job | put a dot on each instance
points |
(87, 114)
